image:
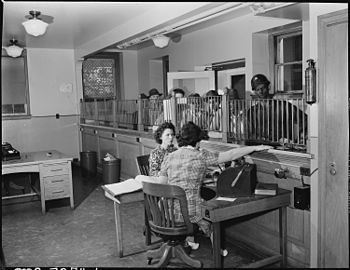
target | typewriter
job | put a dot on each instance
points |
(9, 153)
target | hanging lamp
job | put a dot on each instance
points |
(13, 50)
(160, 41)
(35, 26)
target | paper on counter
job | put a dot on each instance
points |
(228, 199)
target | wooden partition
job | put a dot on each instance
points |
(282, 122)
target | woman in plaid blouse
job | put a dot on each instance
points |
(187, 167)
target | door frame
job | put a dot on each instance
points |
(323, 153)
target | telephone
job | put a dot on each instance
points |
(9, 153)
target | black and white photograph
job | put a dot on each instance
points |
(174, 135)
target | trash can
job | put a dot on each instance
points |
(111, 171)
(88, 163)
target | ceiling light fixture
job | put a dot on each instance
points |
(161, 41)
(263, 7)
(203, 17)
(13, 50)
(35, 26)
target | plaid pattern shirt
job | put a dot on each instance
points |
(186, 168)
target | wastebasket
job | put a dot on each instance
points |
(111, 171)
(88, 163)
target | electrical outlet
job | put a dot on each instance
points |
(305, 171)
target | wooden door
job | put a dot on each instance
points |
(333, 147)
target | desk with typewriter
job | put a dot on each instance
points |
(54, 170)
(239, 183)
(217, 211)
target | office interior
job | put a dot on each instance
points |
(211, 44)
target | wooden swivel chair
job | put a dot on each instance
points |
(159, 202)
(143, 164)
(143, 168)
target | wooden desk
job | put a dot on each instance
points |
(217, 211)
(137, 196)
(55, 173)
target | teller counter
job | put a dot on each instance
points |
(287, 169)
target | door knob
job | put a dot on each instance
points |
(332, 168)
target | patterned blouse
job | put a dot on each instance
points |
(156, 158)
(186, 168)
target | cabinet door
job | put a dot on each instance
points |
(89, 139)
(107, 144)
(128, 150)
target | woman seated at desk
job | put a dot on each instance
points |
(186, 167)
(164, 136)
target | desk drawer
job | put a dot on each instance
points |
(52, 193)
(54, 169)
(56, 187)
(56, 181)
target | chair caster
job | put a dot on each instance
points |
(149, 261)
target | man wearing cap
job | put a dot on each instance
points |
(261, 86)
(273, 119)
(155, 105)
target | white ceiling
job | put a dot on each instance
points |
(74, 23)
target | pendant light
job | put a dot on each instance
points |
(35, 26)
(161, 41)
(13, 50)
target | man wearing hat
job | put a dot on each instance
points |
(261, 86)
(153, 94)
(155, 105)
(272, 120)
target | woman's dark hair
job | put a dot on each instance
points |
(179, 91)
(194, 95)
(190, 134)
(212, 93)
(159, 131)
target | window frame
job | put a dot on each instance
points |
(116, 56)
(27, 114)
(293, 31)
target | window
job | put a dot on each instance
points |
(14, 87)
(101, 76)
(288, 62)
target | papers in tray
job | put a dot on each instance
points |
(266, 189)
(127, 186)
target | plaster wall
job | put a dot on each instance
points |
(52, 90)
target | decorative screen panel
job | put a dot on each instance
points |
(99, 78)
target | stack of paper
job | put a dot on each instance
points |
(127, 186)
(266, 189)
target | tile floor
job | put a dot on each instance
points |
(85, 236)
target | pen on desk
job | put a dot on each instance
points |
(237, 177)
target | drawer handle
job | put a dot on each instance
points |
(56, 170)
(58, 192)
(55, 181)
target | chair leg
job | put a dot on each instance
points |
(166, 257)
(180, 253)
(156, 253)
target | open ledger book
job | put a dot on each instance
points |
(127, 186)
